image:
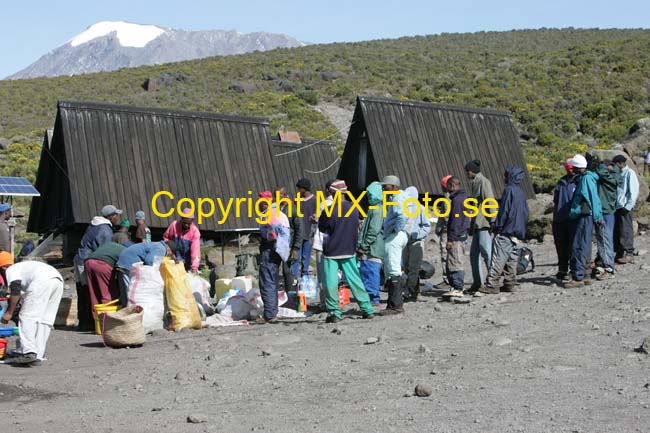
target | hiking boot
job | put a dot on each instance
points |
(573, 284)
(489, 290)
(624, 260)
(509, 287)
(391, 311)
(264, 321)
(587, 281)
(333, 319)
(368, 316)
(453, 294)
(25, 358)
(562, 276)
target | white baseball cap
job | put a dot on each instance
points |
(579, 161)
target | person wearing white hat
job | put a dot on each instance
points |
(586, 209)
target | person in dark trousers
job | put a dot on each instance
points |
(339, 251)
(300, 267)
(274, 249)
(370, 248)
(441, 232)
(627, 195)
(609, 178)
(99, 232)
(418, 228)
(509, 230)
(563, 226)
(586, 210)
(296, 231)
(457, 228)
(481, 238)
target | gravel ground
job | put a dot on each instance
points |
(542, 359)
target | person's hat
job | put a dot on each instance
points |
(473, 166)
(4, 207)
(187, 213)
(579, 161)
(304, 183)
(444, 180)
(619, 159)
(339, 185)
(139, 215)
(110, 210)
(125, 223)
(391, 180)
(6, 259)
(267, 195)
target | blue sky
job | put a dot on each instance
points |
(29, 28)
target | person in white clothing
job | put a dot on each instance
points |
(40, 287)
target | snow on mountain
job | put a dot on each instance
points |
(129, 34)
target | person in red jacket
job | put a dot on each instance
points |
(188, 240)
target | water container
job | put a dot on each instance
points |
(309, 287)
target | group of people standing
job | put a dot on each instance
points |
(359, 251)
(594, 194)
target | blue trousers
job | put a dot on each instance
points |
(581, 248)
(605, 241)
(270, 263)
(481, 247)
(300, 267)
(370, 275)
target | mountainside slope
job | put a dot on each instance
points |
(566, 88)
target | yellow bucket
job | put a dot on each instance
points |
(100, 309)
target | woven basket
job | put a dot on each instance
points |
(124, 327)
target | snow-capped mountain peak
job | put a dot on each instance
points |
(128, 34)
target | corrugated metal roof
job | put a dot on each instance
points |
(124, 155)
(316, 160)
(422, 142)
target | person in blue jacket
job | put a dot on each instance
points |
(563, 226)
(586, 210)
(509, 229)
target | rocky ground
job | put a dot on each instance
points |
(543, 359)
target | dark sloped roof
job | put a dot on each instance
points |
(124, 155)
(422, 142)
(316, 160)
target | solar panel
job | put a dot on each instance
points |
(18, 186)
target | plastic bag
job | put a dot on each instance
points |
(201, 291)
(309, 286)
(147, 289)
(178, 294)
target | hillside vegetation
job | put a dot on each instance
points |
(567, 88)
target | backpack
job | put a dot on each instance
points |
(526, 262)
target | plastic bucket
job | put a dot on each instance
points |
(344, 296)
(100, 309)
(3, 347)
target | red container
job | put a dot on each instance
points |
(344, 296)
(3, 347)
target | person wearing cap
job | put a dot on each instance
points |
(626, 197)
(40, 288)
(509, 230)
(457, 230)
(481, 190)
(441, 231)
(609, 178)
(339, 250)
(187, 237)
(98, 233)
(274, 249)
(585, 210)
(395, 239)
(122, 235)
(563, 226)
(295, 227)
(370, 247)
(317, 244)
(307, 208)
(102, 277)
(418, 228)
(142, 232)
(5, 236)
(145, 252)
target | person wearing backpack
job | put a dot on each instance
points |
(609, 178)
(509, 229)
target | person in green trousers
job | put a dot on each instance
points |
(341, 230)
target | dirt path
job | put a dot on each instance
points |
(543, 359)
